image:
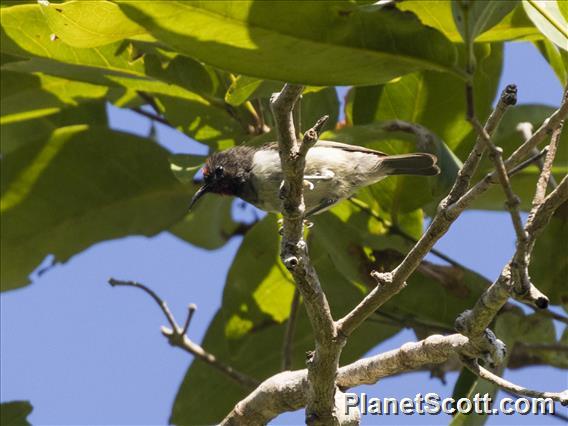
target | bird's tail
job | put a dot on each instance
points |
(417, 163)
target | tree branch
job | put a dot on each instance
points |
(176, 336)
(526, 130)
(389, 284)
(288, 391)
(324, 361)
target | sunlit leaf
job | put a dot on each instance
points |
(438, 14)
(556, 57)
(26, 96)
(547, 17)
(473, 18)
(328, 39)
(432, 99)
(88, 24)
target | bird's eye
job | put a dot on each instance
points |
(219, 171)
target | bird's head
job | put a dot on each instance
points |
(225, 173)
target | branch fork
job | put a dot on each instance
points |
(320, 387)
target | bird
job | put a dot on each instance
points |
(334, 171)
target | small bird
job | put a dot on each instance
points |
(334, 171)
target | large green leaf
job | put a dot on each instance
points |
(88, 24)
(251, 324)
(438, 14)
(435, 100)
(556, 57)
(81, 186)
(473, 18)
(133, 65)
(312, 42)
(548, 18)
(26, 96)
(15, 413)
(17, 133)
(36, 41)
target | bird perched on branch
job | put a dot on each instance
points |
(334, 171)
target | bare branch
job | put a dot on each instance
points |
(516, 158)
(176, 337)
(288, 391)
(324, 361)
(546, 177)
(526, 130)
(513, 200)
(478, 370)
(474, 322)
(543, 131)
(389, 284)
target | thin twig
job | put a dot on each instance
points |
(478, 370)
(545, 179)
(526, 130)
(152, 116)
(556, 414)
(288, 345)
(149, 99)
(177, 337)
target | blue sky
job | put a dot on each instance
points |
(84, 353)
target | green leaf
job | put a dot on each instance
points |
(36, 41)
(81, 186)
(547, 17)
(15, 413)
(314, 105)
(508, 138)
(467, 385)
(128, 64)
(557, 58)
(473, 18)
(200, 120)
(242, 89)
(435, 100)
(563, 6)
(88, 24)
(209, 225)
(26, 96)
(438, 14)
(251, 324)
(330, 44)
(18, 133)
(549, 264)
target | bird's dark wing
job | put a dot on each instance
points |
(348, 147)
(337, 145)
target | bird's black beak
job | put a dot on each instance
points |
(200, 192)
